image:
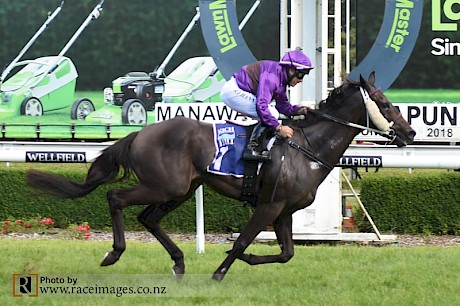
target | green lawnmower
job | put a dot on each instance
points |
(44, 84)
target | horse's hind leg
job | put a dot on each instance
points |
(150, 218)
(116, 205)
(118, 200)
(283, 230)
(264, 215)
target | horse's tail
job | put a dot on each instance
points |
(105, 169)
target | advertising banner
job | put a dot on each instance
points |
(394, 44)
(223, 37)
(426, 89)
(39, 101)
(413, 46)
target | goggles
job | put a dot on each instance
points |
(301, 73)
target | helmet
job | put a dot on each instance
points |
(296, 59)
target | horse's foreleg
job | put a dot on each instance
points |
(150, 218)
(283, 230)
(263, 216)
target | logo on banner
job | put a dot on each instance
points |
(209, 112)
(401, 22)
(222, 25)
(55, 157)
(361, 161)
(445, 15)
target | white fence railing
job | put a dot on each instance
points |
(427, 156)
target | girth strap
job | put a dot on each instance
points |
(248, 190)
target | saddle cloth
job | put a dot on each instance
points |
(230, 143)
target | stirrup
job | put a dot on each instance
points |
(251, 154)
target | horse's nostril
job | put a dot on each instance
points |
(412, 134)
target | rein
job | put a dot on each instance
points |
(389, 134)
(310, 155)
(347, 123)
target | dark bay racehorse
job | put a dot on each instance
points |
(170, 161)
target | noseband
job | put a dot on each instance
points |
(390, 133)
(374, 113)
(378, 89)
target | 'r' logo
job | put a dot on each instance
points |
(25, 285)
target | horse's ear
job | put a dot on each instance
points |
(372, 78)
(362, 80)
(351, 81)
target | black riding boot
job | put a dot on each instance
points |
(251, 153)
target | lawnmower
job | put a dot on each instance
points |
(133, 96)
(136, 92)
(47, 83)
(195, 80)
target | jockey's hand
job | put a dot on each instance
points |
(302, 111)
(285, 131)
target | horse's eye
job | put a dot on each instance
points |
(386, 105)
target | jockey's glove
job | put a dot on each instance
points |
(302, 111)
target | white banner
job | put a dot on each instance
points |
(209, 112)
(433, 122)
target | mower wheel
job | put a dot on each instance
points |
(31, 106)
(81, 108)
(133, 112)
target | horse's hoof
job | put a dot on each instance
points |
(109, 259)
(178, 273)
(219, 274)
(218, 277)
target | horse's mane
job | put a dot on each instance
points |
(338, 95)
(335, 99)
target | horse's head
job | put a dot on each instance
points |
(392, 120)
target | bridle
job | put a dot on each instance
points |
(376, 90)
(390, 133)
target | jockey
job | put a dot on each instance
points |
(251, 89)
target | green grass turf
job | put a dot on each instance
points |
(317, 275)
